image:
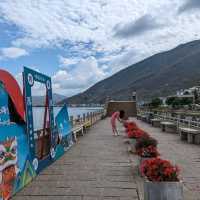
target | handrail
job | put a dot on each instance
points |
(91, 117)
(179, 121)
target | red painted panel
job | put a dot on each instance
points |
(14, 91)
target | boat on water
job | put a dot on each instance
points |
(24, 150)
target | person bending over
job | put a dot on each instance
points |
(117, 116)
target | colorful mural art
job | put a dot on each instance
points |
(24, 150)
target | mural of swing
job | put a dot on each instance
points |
(24, 149)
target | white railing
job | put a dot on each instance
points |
(179, 121)
(92, 117)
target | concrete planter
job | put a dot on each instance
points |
(132, 144)
(168, 127)
(155, 122)
(163, 190)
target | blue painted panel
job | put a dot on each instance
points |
(30, 77)
(20, 161)
(64, 132)
(62, 122)
(4, 112)
(16, 170)
(16, 132)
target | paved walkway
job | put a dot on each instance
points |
(187, 156)
(97, 168)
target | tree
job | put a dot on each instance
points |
(196, 96)
(176, 103)
(170, 100)
(156, 102)
(186, 101)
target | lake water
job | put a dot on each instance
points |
(38, 113)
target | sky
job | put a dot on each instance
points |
(80, 42)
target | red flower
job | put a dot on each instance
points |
(133, 131)
(136, 133)
(158, 170)
(150, 152)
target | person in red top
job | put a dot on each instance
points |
(118, 115)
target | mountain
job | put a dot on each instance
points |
(159, 75)
(40, 100)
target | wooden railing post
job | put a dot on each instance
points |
(94, 117)
(84, 117)
(87, 116)
(78, 119)
(91, 118)
(71, 120)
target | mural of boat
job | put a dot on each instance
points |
(25, 150)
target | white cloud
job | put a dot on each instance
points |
(67, 62)
(12, 52)
(84, 73)
(48, 23)
(19, 79)
(87, 28)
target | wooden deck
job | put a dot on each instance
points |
(96, 168)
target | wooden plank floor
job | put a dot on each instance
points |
(97, 168)
(187, 156)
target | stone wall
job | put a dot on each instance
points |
(128, 106)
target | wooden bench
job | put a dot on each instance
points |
(144, 118)
(139, 116)
(167, 126)
(155, 122)
(191, 135)
(77, 129)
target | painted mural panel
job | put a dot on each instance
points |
(22, 152)
(15, 168)
(4, 112)
(41, 142)
(63, 124)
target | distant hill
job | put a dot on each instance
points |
(158, 75)
(40, 100)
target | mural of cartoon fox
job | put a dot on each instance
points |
(8, 167)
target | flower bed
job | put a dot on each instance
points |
(148, 152)
(133, 131)
(147, 147)
(130, 125)
(161, 177)
(158, 170)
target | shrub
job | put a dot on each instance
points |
(148, 152)
(146, 147)
(156, 102)
(144, 142)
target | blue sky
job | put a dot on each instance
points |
(79, 42)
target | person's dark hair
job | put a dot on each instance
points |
(121, 114)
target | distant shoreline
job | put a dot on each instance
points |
(78, 106)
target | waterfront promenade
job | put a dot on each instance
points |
(99, 167)
(96, 168)
(187, 156)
